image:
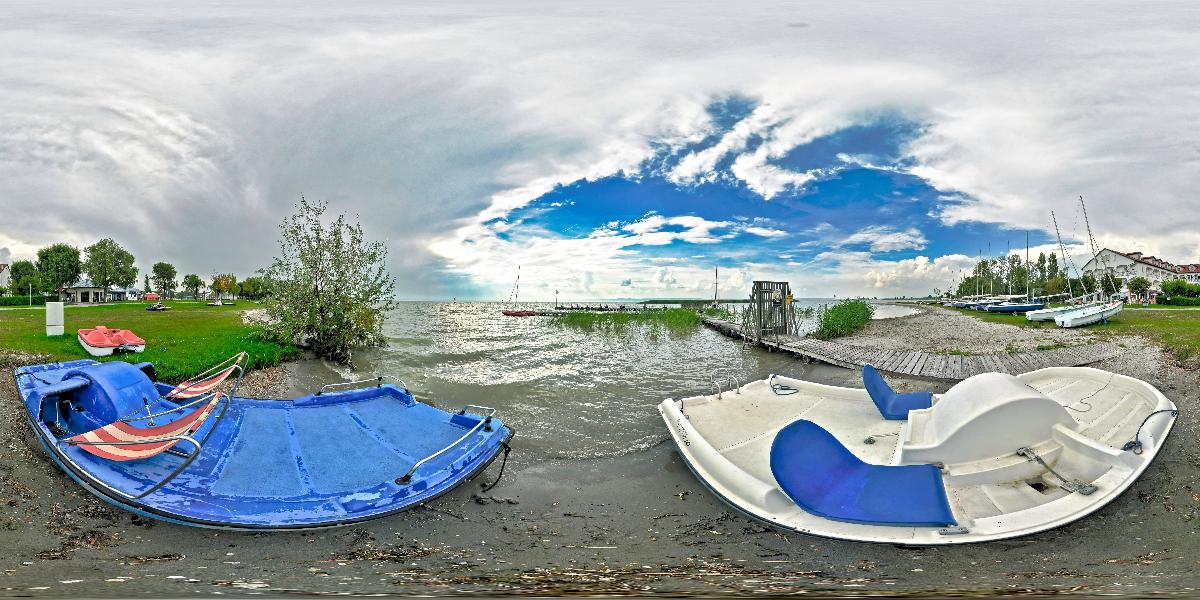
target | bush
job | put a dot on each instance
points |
(843, 318)
(21, 300)
(1179, 287)
(1179, 301)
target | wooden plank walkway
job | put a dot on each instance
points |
(950, 367)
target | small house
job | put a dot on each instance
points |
(84, 292)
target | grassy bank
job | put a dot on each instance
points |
(843, 318)
(180, 342)
(1177, 331)
(674, 319)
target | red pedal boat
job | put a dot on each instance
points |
(519, 313)
(102, 341)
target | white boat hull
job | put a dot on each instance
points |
(726, 441)
(1048, 314)
(1089, 315)
(96, 351)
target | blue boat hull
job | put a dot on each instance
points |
(1015, 308)
(313, 461)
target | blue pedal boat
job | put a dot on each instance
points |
(335, 457)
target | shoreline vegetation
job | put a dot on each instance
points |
(843, 318)
(673, 319)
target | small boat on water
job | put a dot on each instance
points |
(1089, 314)
(518, 313)
(997, 456)
(198, 454)
(102, 341)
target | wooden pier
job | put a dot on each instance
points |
(950, 367)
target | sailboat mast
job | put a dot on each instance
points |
(716, 284)
(1063, 250)
(1088, 224)
(1008, 265)
(1028, 290)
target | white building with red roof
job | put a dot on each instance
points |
(1127, 265)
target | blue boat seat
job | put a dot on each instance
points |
(824, 478)
(892, 405)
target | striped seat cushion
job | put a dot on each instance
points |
(124, 432)
(193, 389)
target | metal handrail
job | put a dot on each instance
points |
(377, 380)
(487, 421)
(737, 384)
(714, 385)
(198, 400)
(198, 447)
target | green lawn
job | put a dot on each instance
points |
(180, 342)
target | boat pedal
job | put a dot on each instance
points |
(957, 530)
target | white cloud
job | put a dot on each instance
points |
(882, 238)
(428, 120)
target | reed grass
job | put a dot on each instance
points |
(843, 318)
(672, 319)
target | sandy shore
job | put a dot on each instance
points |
(936, 329)
(637, 523)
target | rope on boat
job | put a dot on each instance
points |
(1135, 445)
(503, 462)
(782, 390)
(1084, 400)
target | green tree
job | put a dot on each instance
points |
(192, 284)
(58, 266)
(1138, 286)
(108, 264)
(224, 283)
(24, 277)
(1052, 267)
(1040, 270)
(146, 284)
(1056, 285)
(254, 288)
(1171, 287)
(331, 287)
(1110, 284)
(164, 278)
(1088, 283)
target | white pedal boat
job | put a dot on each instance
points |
(1089, 314)
(997, 456)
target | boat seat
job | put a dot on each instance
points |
(824, 478)
(892, 405)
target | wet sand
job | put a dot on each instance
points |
(632, 524)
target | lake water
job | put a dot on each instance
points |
(570, 393)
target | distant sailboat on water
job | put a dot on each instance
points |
(514, 297)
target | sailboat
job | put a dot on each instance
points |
(1074, 303)
(1095, 312)
(514, 297)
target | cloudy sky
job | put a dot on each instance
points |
(609, 149)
